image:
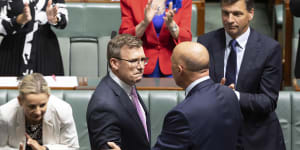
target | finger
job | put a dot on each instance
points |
(222, 81)
(231, 86)
(170, 5)
(26, 4)
(165, 18)
(49, 3)
(27, 136)
(113, 145)
(55, 10)
(21, 147)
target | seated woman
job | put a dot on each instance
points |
(161, 24)
(40, 119)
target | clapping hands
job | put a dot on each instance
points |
(51, 12)
(25, 16)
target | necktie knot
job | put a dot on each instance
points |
(233, 44)
(133, 92)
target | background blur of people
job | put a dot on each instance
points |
(42, 119)
(295, 9)
(29, 44)
(161, 24)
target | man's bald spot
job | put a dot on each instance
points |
(192, 55)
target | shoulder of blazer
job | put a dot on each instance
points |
(210, 38)
(108, 82)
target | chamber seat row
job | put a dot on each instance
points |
(160, 102)
(83, 42)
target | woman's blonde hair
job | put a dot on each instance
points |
(33, 84)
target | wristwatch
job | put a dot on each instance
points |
(174, 28)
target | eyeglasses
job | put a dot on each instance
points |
(136, 61)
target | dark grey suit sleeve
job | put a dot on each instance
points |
(264, 100)
(295, 7)
(175, 134)
(103, 128)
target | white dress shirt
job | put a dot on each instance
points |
(127, 88)
(242, 41)
(194, 83)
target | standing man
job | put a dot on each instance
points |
(250, 63)
(209, 118)
(116, 112)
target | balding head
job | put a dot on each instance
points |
(190, 61)
(193, 56)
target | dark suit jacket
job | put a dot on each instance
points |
(258, 83)
(111, 116)
(156, 47)
(295, 9)
(208, 119)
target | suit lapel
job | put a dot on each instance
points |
(218, 55)
(251, 53)
(127, 103)
(20, 127)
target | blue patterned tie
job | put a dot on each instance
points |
(231, 63)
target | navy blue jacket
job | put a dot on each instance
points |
(258, 82)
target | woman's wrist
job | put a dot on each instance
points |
(53, 21)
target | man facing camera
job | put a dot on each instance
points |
(36, 119)
(250, 63)
(116, 112)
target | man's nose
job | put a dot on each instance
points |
(230, 18)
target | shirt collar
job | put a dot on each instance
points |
(127, 88)
(194, 83)
(242, 39)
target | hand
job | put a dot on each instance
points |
(223, 80)
(25, 16)
(33, 143)
(113, 146)
(149, 12)
(51, 13)
(21, 147)
(232, 85)
(169, 15)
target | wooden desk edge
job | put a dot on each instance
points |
(295, 85)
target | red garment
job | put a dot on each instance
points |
(156, 47)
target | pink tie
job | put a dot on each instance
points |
(139, 109)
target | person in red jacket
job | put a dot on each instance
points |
(161, 24)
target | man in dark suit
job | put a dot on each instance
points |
(295, 9)
(250, 63)
(209, 118)
(116, 112)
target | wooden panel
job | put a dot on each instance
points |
(287, 48)
(199, 4)
(201, 16)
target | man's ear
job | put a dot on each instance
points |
(180, 69)
(114, 63)
(251, 14)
